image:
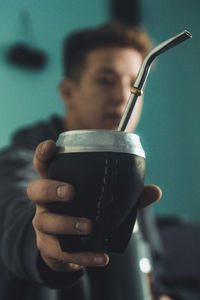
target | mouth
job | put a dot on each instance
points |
(112, 120)
(112, 116)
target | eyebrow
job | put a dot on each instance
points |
(107, 70)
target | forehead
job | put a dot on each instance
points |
(120, 60)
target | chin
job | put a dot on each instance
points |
(111, 123)
(110, 126)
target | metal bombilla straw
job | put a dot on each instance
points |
(137, 248)
(136, 89)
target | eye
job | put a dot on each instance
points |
(106, 81)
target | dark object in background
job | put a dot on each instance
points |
(25, 56)
(181, 264)
(126, 12)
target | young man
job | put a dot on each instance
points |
(100, 66)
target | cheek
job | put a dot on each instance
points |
(89, 109)
(94, 103)
(94, 111)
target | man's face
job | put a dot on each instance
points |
(98, 100)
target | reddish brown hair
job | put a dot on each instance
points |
(80, 43)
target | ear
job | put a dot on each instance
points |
(66, 88)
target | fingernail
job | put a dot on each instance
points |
(62, 192)
(81, 225)
(99, 260)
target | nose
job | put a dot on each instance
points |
(120, 93)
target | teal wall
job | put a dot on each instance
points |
(27, 96)
(170, 123)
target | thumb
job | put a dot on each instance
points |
(43, 153)
(150, 194)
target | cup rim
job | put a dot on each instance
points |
(99, 140)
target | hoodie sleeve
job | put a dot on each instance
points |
(17, 237)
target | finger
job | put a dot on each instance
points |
(87, 259)
(164, 298)
(43, 153)
(51, 223)
(50, 251)
(42, 191)
(150, 195)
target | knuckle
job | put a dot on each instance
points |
(32, 189)
(40, 245)
(38, 223)
(33, 223)
(44, 190)
(45, 149)
(62, 258)
(29, 189)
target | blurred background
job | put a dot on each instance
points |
(170, 123)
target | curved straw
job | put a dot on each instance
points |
(136, 90)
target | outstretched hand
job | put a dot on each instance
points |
(48, 225)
